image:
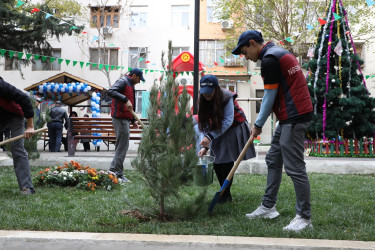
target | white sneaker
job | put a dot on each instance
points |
(123, 180)
(298, 224)
(263, 212)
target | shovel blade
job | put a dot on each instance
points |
(214, 201)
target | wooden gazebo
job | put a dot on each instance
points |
(69, 99)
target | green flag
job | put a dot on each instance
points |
(107, 67)
(28, 56)
(75, 63)
(67, 61)
(44, 58)
(82, 63)
(11, 53)
(2, 52)
(100, 65)
(52, 59)
(60, 60)
(20, 55)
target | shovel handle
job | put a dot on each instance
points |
(136, 117)
(21, 136)
(240, 157)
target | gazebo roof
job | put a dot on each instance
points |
(70, 99)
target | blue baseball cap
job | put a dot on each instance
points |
(138, 72)
(245, 38)
(208, 84)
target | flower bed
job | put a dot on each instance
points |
(75, 174)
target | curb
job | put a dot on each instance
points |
(32, 240)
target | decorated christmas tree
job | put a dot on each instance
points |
(167, 152)
(343, 107)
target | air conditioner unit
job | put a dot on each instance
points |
(107, 31)
(226, 24)
(142, 50)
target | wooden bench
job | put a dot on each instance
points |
(45, 139)
(84, 128)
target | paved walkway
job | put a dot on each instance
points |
(257, 165)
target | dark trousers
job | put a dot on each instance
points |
(222, 171)
(86, 146)
(55, 135)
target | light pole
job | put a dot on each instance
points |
(196, 56)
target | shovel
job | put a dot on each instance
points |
(21, 136)
(136, 117)
(230, 175)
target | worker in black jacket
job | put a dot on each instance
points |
(58, 116)
(15, 105)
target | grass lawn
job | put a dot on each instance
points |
(342, 208)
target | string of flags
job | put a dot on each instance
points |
(116, 67)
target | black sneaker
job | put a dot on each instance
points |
(28, 191)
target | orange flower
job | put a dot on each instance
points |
(42, 177)
(115, 180)
(110, 176)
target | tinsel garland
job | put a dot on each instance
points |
(351, 41)
(318, 61)
(328, 69)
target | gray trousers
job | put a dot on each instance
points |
(122, 131)
(287, 146)
(19, 154)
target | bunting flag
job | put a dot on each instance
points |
(62, 22)
(310, 27)
(141, 59)
(147, 61)
(94, 38)
(221, 60)
(322, 22)
(2, 52)
(19, 3)
(289, 39)
(34, 10)
(370, 2)
(337, 17)
(11, 54)
(48, 16)
(216, 63)
(20, 55)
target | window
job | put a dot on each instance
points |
(138, 17)
(138, 101)
(259, 93)
(178, 50)
(137, 57)
(211, 51)
(38, 65)
(180, 15)
(103, 56)
(12, 63)
(105, 16)
(229, 86)
(211, 12)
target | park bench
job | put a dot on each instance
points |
(85, 127)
